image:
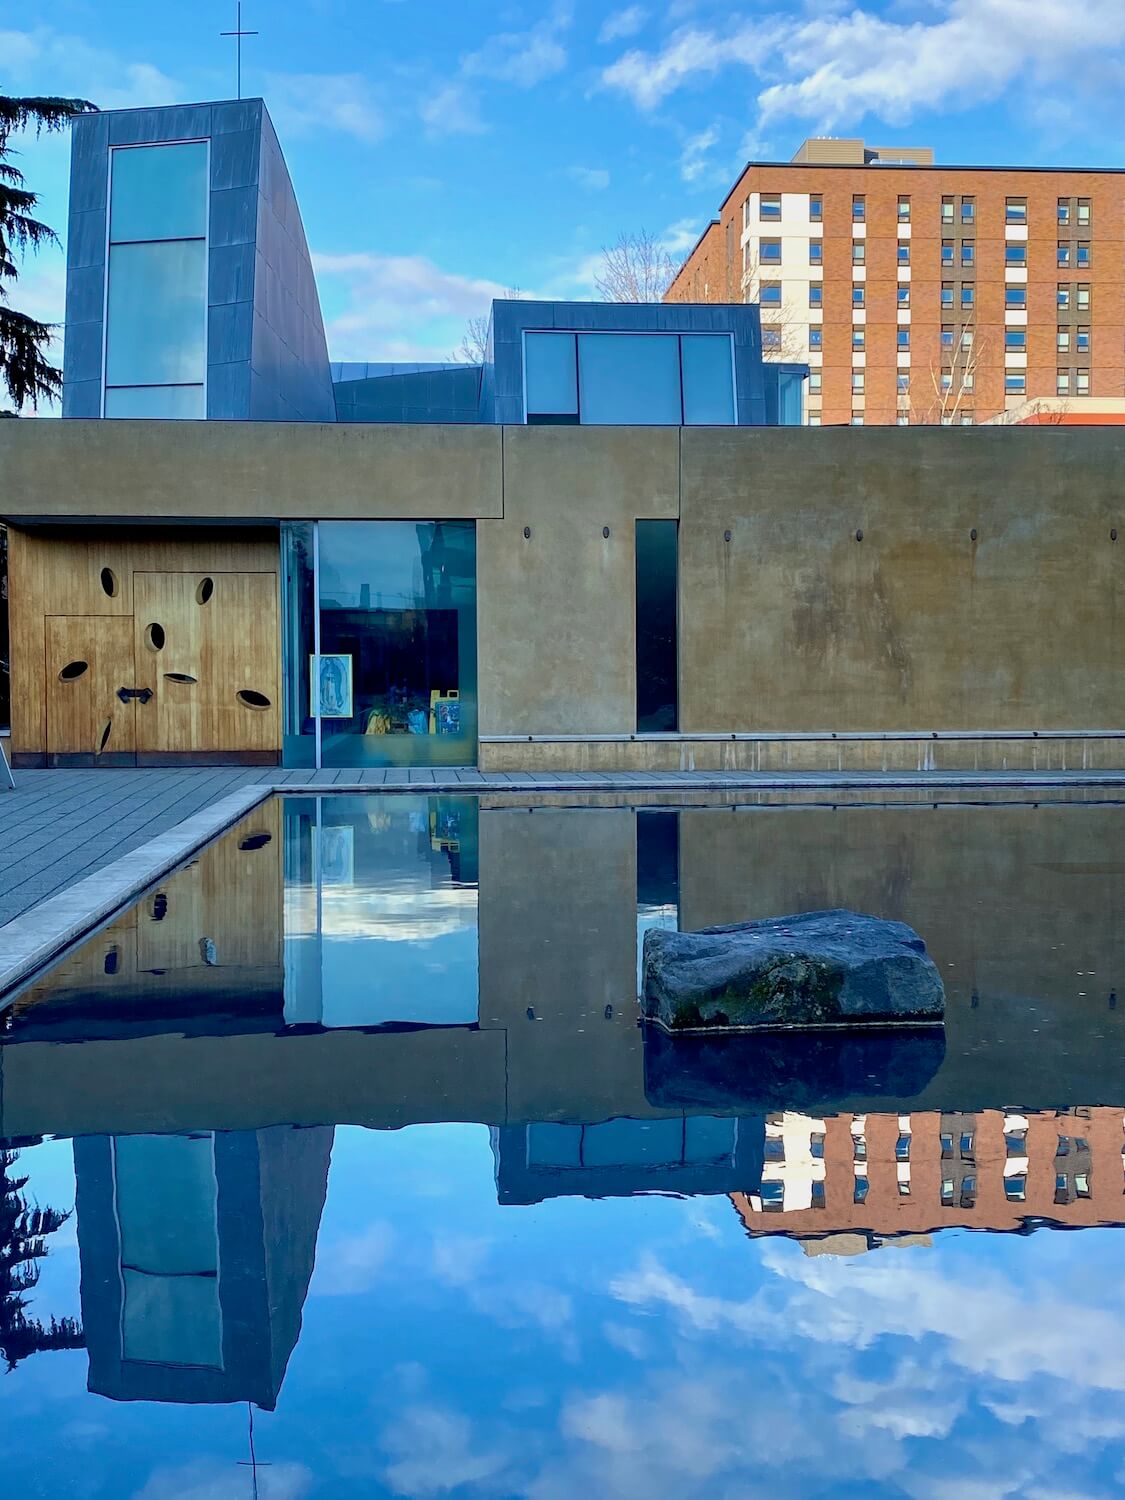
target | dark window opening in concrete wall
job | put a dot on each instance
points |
(5, 647)
(657, 549)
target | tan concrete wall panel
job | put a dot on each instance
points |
(794, 625)
(556, 610)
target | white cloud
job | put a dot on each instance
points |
(53, 62)
(693, 158)
(832, 70)
(623, 23)
(524, 58)
(301, 102)
(398, 306)
(433, 1452)
(594, 178)
(452, 110)
(352, 1264)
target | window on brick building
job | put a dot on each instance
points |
(1015, 210)
(968, 210)
(1015, 253)
(968, 253)
(1062, 254)
(857, 419)
(1083, 297)
(816, 252)
(904, 210)
(1015, 296)
(947, 294)
(859, 208)
(816, 293)
(814, 382)
(947, 336)
(1062, 295)
(769, 206)
(903, 339)
(1015, 340)
(1062, 382)
(1015, 383)
(859, 298)
(1083, 261)
(903, 382)
(967, 419)
(1083, 210)
(771, 336)
(816, 338)
(1082, 383)
(904, 294)
(947, 210)
(858, 249)
(769, 252)
(1082, 340)
(857, 382)
(816, 208)
(769, 294)
(903, 252)
(968, 294)
(1064, 210)
(968, 380)
(947, 255)
(859, 338)
(1062, 340)
(902, 420)
(966, 339)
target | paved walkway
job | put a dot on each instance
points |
(61, 827)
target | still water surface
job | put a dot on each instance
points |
(375, 1187)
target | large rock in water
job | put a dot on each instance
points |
(821, 968)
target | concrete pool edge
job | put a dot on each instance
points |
(37, 937)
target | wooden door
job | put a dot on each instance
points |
(207, 645)
(88, 658)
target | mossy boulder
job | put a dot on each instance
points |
(821, 968)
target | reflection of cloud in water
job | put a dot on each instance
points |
(217, 1479)
(395, 913)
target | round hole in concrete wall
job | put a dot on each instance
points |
(73, 671)
(726, 535)
(185, 677)
(109, 582)
(154, 637)
(527, 533)
(973, 534)
(250, 698)
(859, 536)
(205, 590)
(605, 531)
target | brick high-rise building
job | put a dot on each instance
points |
(924, 293)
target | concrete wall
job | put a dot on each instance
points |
(795, 626)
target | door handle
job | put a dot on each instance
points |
(144, 694)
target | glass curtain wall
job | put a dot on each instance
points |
(644, 379)
(379, 621)
(156, 308)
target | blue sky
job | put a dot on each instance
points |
(444, 150)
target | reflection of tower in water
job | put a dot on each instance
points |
(196, 1254)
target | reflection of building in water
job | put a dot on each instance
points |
(196, 1253)
(890, 1175)
(617, 1158)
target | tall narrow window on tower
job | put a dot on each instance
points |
(657, 549)
(156, 303)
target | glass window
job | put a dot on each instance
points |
(858, 248)
(857, 419)
(769, 206)
(1083, 297)
(968, 210)
(1083, 382)
(1015, 340)
(1062, 295)
(903, 419)
(1015, 383)
(1064, 210)
(858, 338)
(904, 294)
(1062, 341)
(947, 294)
(816, 252)
(1083, 260)
(947, 210)
(298, 637)
(1015, 253)
(1082, 340)
(550, 375)
(968, 295)
(857, 382)
(967, 419)
(968, 253)
(966, 338)
(398, 678)
(816, 338)
(816, 294)
(769, 252)
(771, 335)
(1015, 210)
(858, 295)
(157, 313)
(904, 210)
(859, 207)
(814, 419)
(708, 379)
(630, 378)
(816, 208)
(903, 382)
(1062, 382)
(947, 253)
(656, 562)
(159, 192)
(769, 295)
(814, 382)
(175, 402)
(903, 252)
(1015, 296)
(1063, 253)
(1083, 210)
(904, 338)
(946, 336)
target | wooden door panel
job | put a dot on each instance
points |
(207, 645)
(88, 657)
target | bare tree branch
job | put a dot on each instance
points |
(473, 348)
(635, 268)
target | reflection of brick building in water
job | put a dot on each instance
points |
(888, 1175)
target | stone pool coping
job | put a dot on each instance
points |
(36, 937)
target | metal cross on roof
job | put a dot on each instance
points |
(238, 34)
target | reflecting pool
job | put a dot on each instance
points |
(351, 1172)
